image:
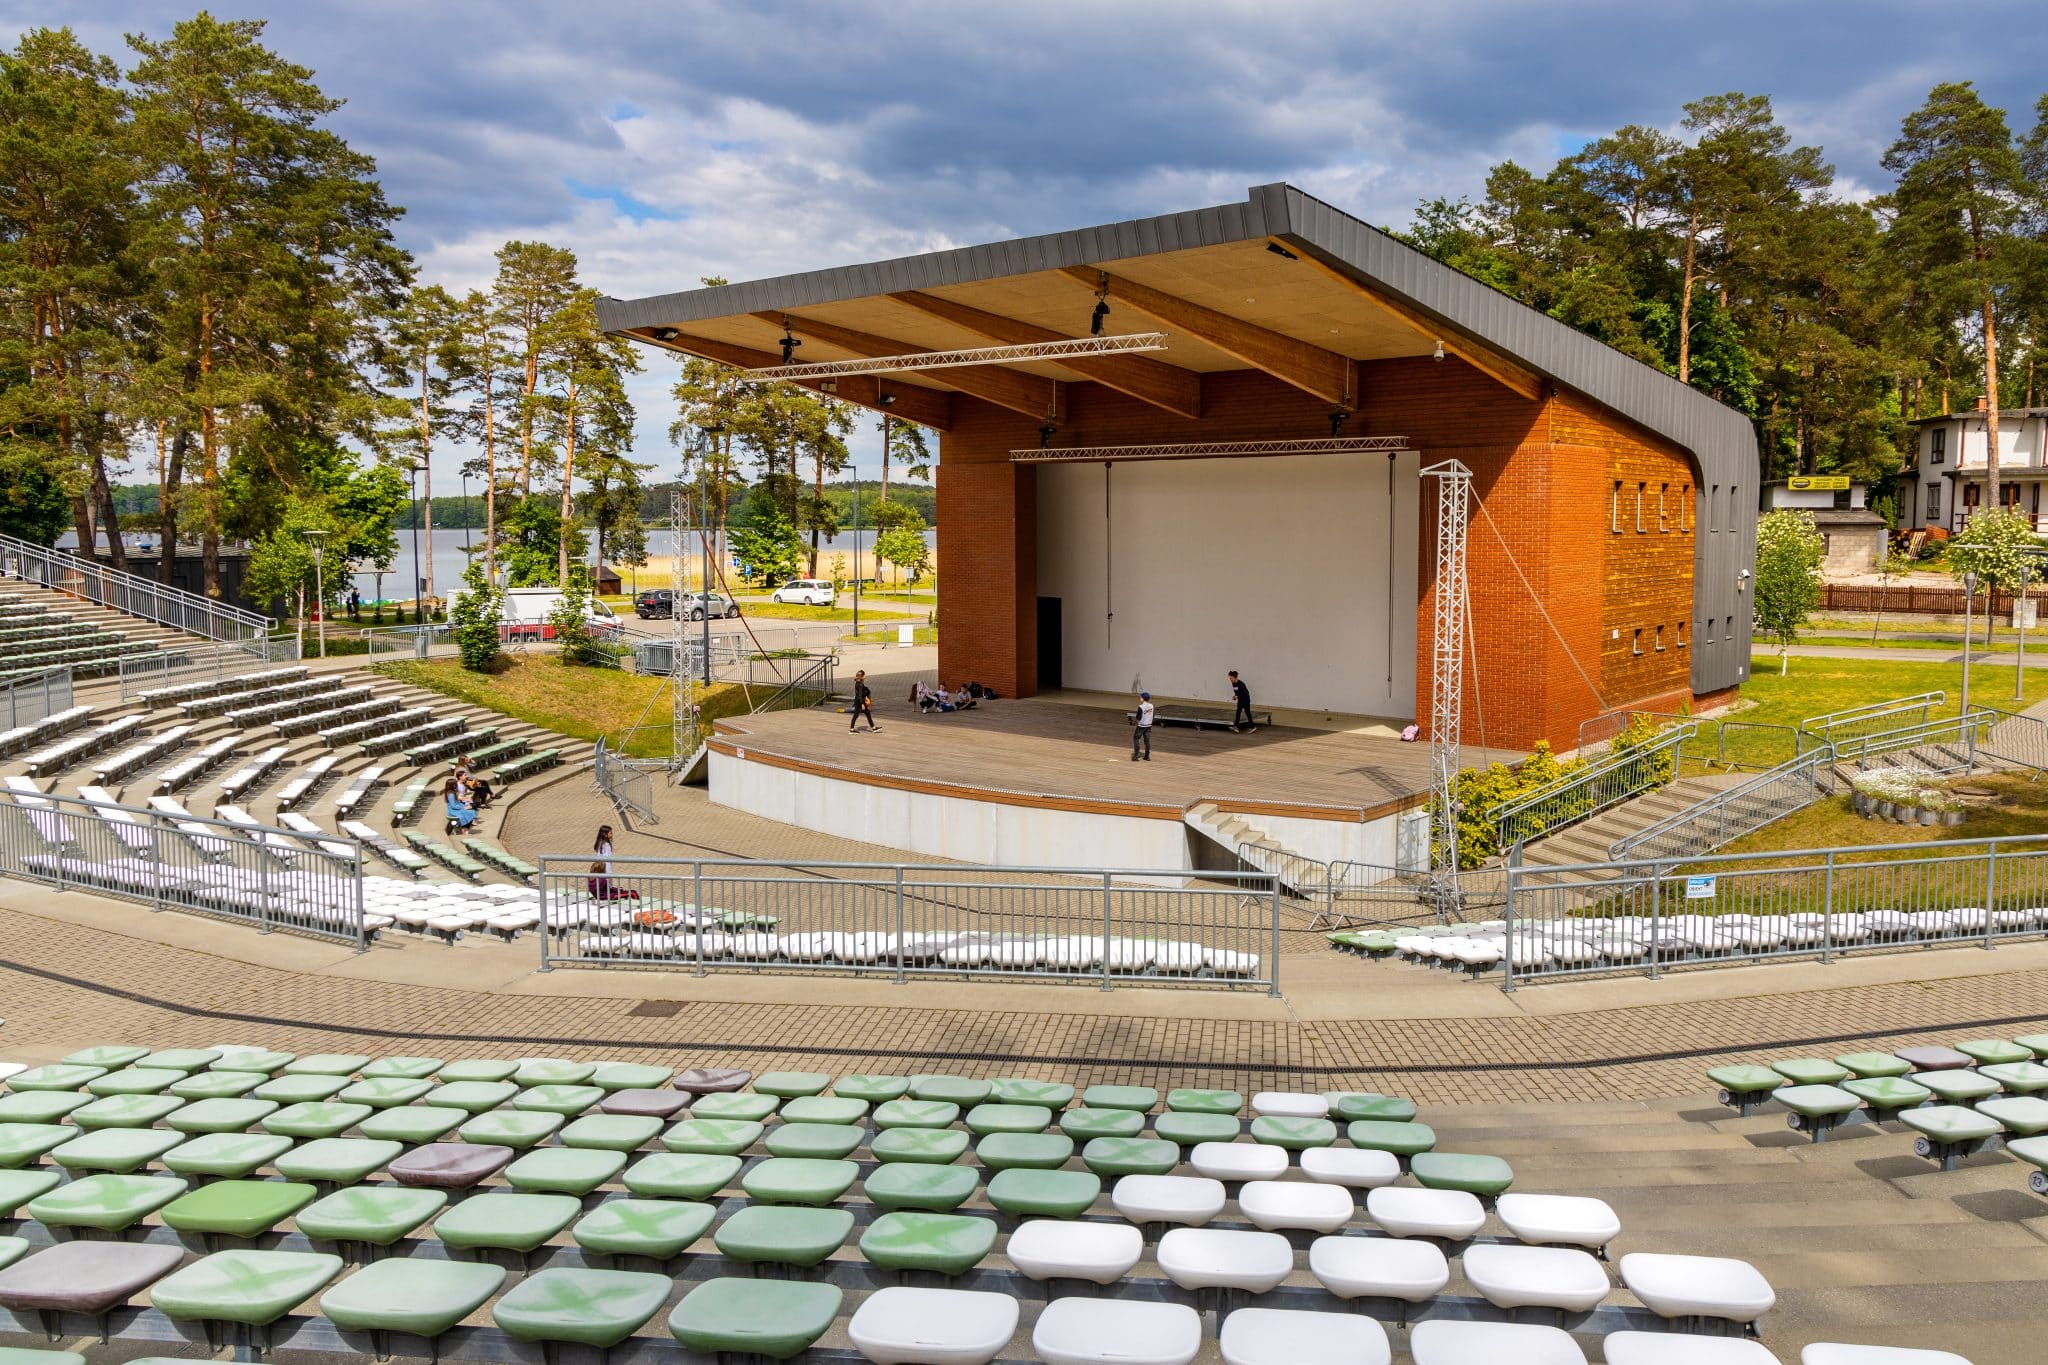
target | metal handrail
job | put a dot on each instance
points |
(1639, 763)
(2010, 723)
(801, 682)
(1624, 716)
(1721, 737)
(129, 593)
(1823, 726)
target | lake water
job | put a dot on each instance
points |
(450, 559)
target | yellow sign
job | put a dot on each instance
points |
(1817, 483)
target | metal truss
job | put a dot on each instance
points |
(1447, 681)
(1185, 450)
(974, 355)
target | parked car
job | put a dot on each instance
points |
(655, 604)
(809, 592)
(697, 605)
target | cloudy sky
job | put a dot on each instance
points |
(666, 140)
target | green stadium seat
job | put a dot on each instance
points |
(221, 1115)
(786, 1084)
(40, 1106)
(997, 1117)
(370, 1215)
(518, 1129)
(872, 1089)
(1189, 1129)
(1994, 1052)
(254, 1288)
(1871, 1064)
(316, 1120)
(656, 1104)
(2036, 1043)
(826, 1141)
(1205, 1102)
(1025, 1192)
(326, 1064)
(949, 1090)
(58, 1077)
(1949, 1132)
(1351, 1108)
(1032, 1151)
(553, 1071)
(1050, 1094)
(133, 1081)
(12, 1249)
(126, 1111)
(1885, 1096)
(712, 1137)
(477, 1069)
(1085, 1124)
(415, 1296)
(615, 1076)
(1954, 1087)
(1141, 1098)
(301, 1089)
(741, 1107)
(20, 1187)
(1116, 1156)
(916, 1185)
(338, 1161)
(566, 1100)
(824, 1109)
(1485, 1176)
(678, 1175)
(1402, 1139)
(916, 1114)
(413, 1124)
(111, 1203)
(385, 1092)
(215, 1085)
(495, 1220)
(2017, 1078)
(564, 1170)
(106, 1056)
(119, 1150)
(798, 1180)
(933, 1146)
(472, 1097)
(229, 1156)
(237, 1208)
(1745, 1087)
(1817, 1109)
(1295, 1134)
(258, 1063)
(22, 1143)
(773, 1318)
(943, 1243)
(401, 1069)
(609, 1132)
(657, 1229)
(765, 1234)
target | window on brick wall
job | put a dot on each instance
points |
(1685, 507)
(1663, 494)
(1639, 640)
(1614, 509)
(1680, 629)
(1660, 639)
(1641, 489)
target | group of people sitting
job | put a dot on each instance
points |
(464, 794)
(963, 698)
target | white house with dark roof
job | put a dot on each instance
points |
(1949, 467)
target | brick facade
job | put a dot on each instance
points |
(1551, 584)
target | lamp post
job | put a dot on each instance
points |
(419, 585)
(2019, 611)
(1969, 599)
(856, 536)
(320, 583)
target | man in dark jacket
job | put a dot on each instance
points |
(863, 702)
(1242, 719)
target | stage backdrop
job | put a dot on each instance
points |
(1299, 571)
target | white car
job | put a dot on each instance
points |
(809, 592)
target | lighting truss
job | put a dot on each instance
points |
(1447, 682)
(973, 355)
(1191, 450)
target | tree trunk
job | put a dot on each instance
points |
(1990, 399)
(817, 508)
(490, 489)
(1692, 235)
(1782, 661)
(103, 495)
(81, 525)
(885, 462)
(170, 470)
(526, 424)
(568, 479)
(427, 477)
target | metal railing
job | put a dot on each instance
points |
(1871, 718)
(1722, 731)
(270, 878)
(1728, 909)
(1730, 814)
(906, 920)
(807, 686)
(2016, 738)
(1358, 894)
(1606, 781)
(28, 700)
(626, 785)
(1605, 726)
(129, 593)
(147, 672)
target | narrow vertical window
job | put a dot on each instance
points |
(1641, 488)
(1713, 501)
(1639, 640)
(1680, 628)
(1660, 639)
(1663, 493)
(1614, 509)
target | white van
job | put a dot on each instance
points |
(526, 614)
(809, 592)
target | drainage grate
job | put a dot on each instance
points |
(656, 1009)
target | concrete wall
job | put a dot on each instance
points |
(1297, 571)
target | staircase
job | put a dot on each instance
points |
(1588, 841)
(1253, 844)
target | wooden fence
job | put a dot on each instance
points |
(1910, 600)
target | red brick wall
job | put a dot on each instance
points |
(1542, 471)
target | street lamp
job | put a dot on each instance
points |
(1969, 598)
(2019, 611)
(320, 583)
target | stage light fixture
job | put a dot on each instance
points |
(1101, 309)
(1279, 250)
(1338, 417)
(666, 334)
(1045, 434)
(789, 344)
(885, 399)
(1439, 350)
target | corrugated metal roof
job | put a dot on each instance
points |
(1720, 439)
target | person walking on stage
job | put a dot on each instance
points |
(863, 702)
(1141, 735)
(1241, 719)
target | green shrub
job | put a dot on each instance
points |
(1481, 793)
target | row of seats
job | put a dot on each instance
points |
(65, 752)
(224, 699)
(629, 929)
(1958, 1101)
(486, 1187)
(102, 655)
(38, 731)
(158, 697)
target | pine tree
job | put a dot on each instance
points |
(535, 282)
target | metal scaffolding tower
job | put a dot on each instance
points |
(1447, 677)
(684, 699)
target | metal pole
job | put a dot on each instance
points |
(1827, 915)
(1969, 599)
(856, 529)
(1105, 931)
(2019, 672)
(1990, 890)
(547, 925)
(320, 591)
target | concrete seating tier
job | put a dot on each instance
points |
(395, 741)
(187, 770)
(403, 859)
(322, 721)
(311, 778)
(340, 1204)
(64, 753)
(136, 757)
(223, 687)
(219, 702)
(357, 792)
(259, 766)
(448, 746)
(331, 697)
(23, 737)
(351, 731)
(538, 761)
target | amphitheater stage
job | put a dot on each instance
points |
(1043, 782)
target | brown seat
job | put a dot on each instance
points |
(712, 1080)
(450, 1165)
(1934, 1058)
(85, 1277)
(660, 1104)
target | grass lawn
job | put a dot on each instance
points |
(581, 703)
(1816, 686)
(2016, 807)
(923, 635)
(795, 611)
(1884, 642)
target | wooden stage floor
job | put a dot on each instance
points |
(1059, 750)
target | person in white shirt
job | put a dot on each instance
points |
(1141, 736)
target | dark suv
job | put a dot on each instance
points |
(656, 603)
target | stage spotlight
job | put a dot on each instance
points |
(1279, 250)
(666, 334)
(789, 345)
(1439, 350)
(1338, 417)
(885, 399)
(1045, 435)
(1101, 309)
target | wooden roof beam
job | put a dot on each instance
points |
(1150, 381)
(1325, 374)
(910, 402)
(1044, 399)
(1489, 362)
